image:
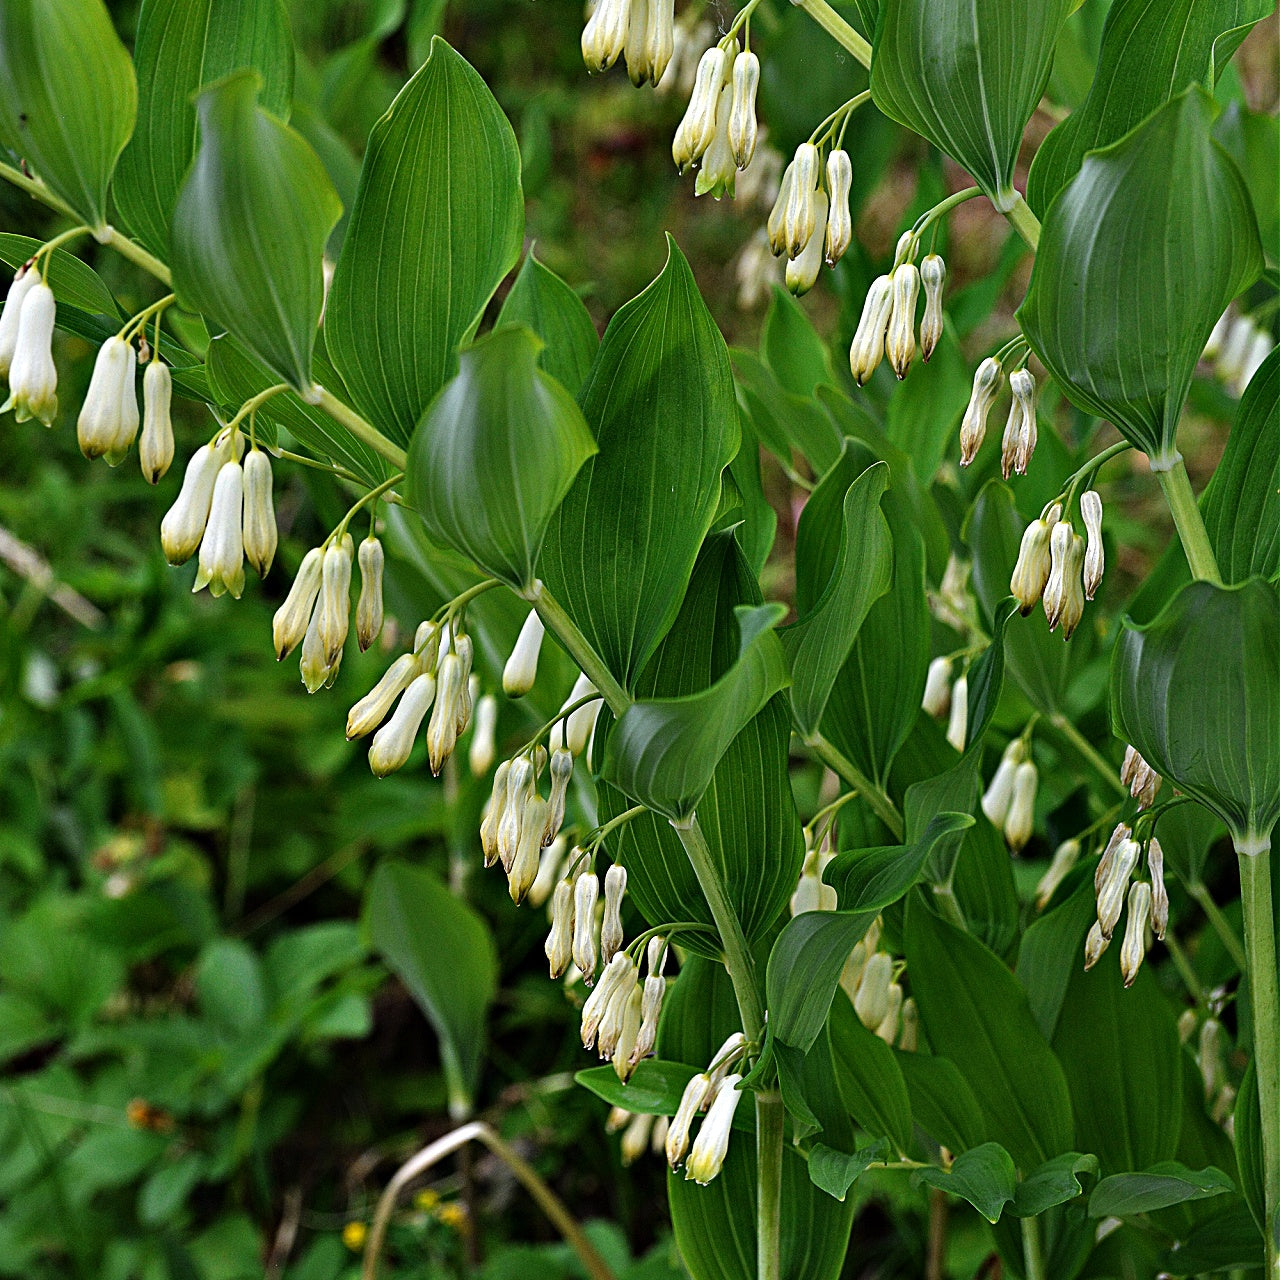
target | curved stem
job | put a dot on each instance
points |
(837, 28)
(545, 1198)
(1264, 999)
(838, 763)
(1219, 923)
(589, 662)
(1189, 523)
(363, 431)
(1088, 750)
(1025, 223)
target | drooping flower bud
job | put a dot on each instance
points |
(559, 945)
(655, 989)
(719, 172)
(872, 1000)
(867, 348)
(697, 129)
(729, 1053)
(522, 666)
(973, 426)
(372, 709)
(999, 795)
(811, 893)
(1187, 1021)
(585, 892)
(615, 887)
(442, 731)
(290, 622)
(909, 1039)
(334, 605)
(222, 547)
(712, 1143)
(774, 225)
(482, 750)
(1020, 431)
(1064, 592)
(900, 337)
(1141, 779)
(494, 812)
(743, 130)
(605, 1018)
(108, 418)
(394, 741)
(550, 865)
(22, 284)
(1094, 945)
(313, 667)
(1159, 894)
(839, 219)
(561, 772)
(575, 731)
(1235, 349)
(605, 35)
(1210, 1051)
(524, 866)
(427, 640)
(1217, 337)
(521, 781)
(802, 272)
(1107, 860)
(659, 37)
(937, 688)
(33, 377)
(155, 446)
(369, 604)
(888, 1027)
(1091, 514)
(260, 538)
(1134, 946)
(958, 721)
(1020, 822)
(1112, 893)
(933, 274)
(624, 1048)
(1065, 856)
(800, 217)
(1031, 572)
(695, 1096)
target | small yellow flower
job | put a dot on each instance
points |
(353, 1235)
(452, 1215)
(426, 1200)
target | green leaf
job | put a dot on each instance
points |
(1250, 1161)
(784, 420)
(836, 1171)
(967, 74)
(748, 813)
(495, 453)
(1241, 505)
(1124, 1195)
(1052, 951)
(942, 1103)
(444, 953)
(924, 411)
(183, 46)
(1226, 1241)
(1252, 140)
(792, 347)
(1114, 309)
(74, 283)
(844, 560)
(986, 675)
(230, 987)
(249, 229)
(67, 97)
(974, 1013)
(1149, 53)
(1053, 1183)
(1120, 1054)
(1210, 727)
(654, 1088)
(664, 751)
(541, 301)
(660, 400)
(872, 879)
(437, 223)
(984, 1176)
(869, 1077)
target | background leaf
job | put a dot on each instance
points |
(984, 1176)
(67, 97)
(249, 229)
(437, 223)
(182, 46)
(869, 1077)
(1125, 1194)
(542, 302)
(1112, 309)
(74, 283)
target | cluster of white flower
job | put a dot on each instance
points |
(1141, 779)
(870, 980)
(887, 326)
(1020, 435)
(641, 1132)
(1236, 347)
(1148, 901)
(714, 1092)
(944, 697)
(1010, 801)
(1057, 566)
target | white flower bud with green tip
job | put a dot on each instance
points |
(1020, 821)
(1159, 893)
(574, 732)
(493, 813)
(623, 1055)
(427, 640)
(615, 888)
(1065, 857)
(1022, 385)
(524, 866)
(394, 741)
(933, 275)
(442, 731)
(155, 446)
(313, 666)
(867, 348)
(719, 172)
(1106, 861)
(222, 547)
(655, 990)
(743, 129)
(372, 709)
(260, 537)
(1064, 592)
(618, 973)
(1094, 560)
(105, 424)
(522, 666)
(550, 866)
(692, 1100)
(659, 37)
(635, 1139)
(559, 944)
(465, 649)
(712, 1143)
(483, 748)
(900, 336)
(958, 721)
(909, 1038)
(888, 1027)
(937, 688)
(334, 606)
(872, 1001)
(521, 778)
(636, 49)
(697, 129)
(973, 426)
(799, 218)
(23, 283)
(290, 622)
(1134, 946)
(999, 795)
(802, 272)
(605, 34)
(1094, 945)
(1112, 893)
(561, 773)
(586, 891)
(33, 377)
(1031, 572)
(774, 226)
(371, 559)
(839, 232)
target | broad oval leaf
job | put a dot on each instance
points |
(1126, 1194)
(844, 561)
(68, 97)
(495, 453)
(660, 400)
(967, 74)
(1149, 52)
(942, 1103)
(663, 752)
(444, 954)
(654, 1088)
(437, 223)
(1209, 725)
(1138, 257)
(542, 302)
(869, 1077)
(74, 283)
(984, 1176)
(249, 229)
(182, 46)
(836, 1171)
